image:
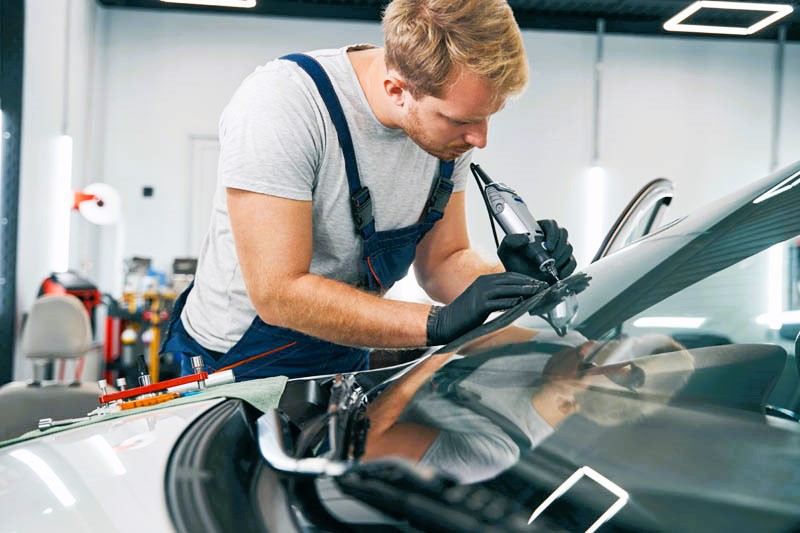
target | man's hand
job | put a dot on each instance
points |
(516, 252)
(487, 294)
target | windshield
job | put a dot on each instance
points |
(657, 381)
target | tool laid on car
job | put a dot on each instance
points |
(47, 423)
(181, 385)
(148, 393)
(510, 211)
(154, 399)
(144, 376)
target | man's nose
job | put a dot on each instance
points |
(477, 135)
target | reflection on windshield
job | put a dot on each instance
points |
(473, 414)
(521, 409)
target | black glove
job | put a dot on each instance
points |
(516, 253)
(487, 294)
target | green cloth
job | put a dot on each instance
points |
(263, 394)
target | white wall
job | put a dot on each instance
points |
(697, 111)
(789, 146)
(42, 214)
(168, 78)
(540, 144)
(143, 83)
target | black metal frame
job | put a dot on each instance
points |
(637, 17)
(12, 37)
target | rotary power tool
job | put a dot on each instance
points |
(510, 211)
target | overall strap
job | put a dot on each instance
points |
(440, 193)
(360, 202)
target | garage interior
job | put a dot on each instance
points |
(109, 158)
(121, 99)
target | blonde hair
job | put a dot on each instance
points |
(430, 41)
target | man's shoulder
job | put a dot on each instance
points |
(285, 79)
(280, 66)
(276, 88)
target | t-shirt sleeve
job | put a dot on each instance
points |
(471, 457)
(272, 135)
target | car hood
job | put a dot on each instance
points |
(68, 481)
(686, 469)
(688, 440)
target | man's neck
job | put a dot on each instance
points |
(370, 69)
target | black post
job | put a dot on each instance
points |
(12, 38)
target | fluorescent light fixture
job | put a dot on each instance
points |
(775, 285)
(687, 322)
(62, 204)
(587, 471)
(2, 149)
(46, 474)
(787, 184)
(597, 173)
(218, 3)
(785, 317)
(778, 12)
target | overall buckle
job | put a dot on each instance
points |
(440, 195)
(361, 206)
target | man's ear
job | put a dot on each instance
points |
(566, 404)
(395, 88)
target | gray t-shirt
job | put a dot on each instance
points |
(277, 138)
(470, 446)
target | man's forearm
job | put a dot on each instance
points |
(386, 436)
(386, 409)
(339, 313)
(454, 273)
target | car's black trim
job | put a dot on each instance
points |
(211, 471)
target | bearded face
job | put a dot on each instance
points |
(440, 141)
(458, 120)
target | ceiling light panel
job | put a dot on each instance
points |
(772, 13)
(216, 3)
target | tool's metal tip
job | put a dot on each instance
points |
(553, 272)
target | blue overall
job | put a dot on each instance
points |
(265, 350)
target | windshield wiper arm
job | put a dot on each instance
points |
(429, 499)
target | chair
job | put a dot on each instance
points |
(57, 330)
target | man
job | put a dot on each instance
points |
(337, 170)
(472, 417)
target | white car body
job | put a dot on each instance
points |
(107, 476)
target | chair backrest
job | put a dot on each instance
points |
(57, 327)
